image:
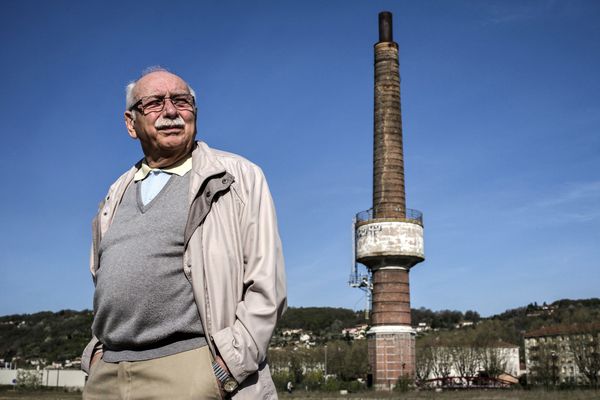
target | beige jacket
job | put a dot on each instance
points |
(233, 257)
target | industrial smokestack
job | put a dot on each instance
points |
(385, 27)
(389, 238)
(388, 159)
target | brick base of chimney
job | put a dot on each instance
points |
(391, 356)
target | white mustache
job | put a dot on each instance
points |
(163, 122)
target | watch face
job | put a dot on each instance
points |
(230, 385)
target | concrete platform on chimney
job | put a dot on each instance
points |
(387, 242)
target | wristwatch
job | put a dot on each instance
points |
(227, 382)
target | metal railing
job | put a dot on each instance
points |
(410, 215)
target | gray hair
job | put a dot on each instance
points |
(130, 101)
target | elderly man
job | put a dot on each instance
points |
(187, 263)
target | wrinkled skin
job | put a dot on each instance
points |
(164, 146)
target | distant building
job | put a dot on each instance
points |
(358, 332)
(422, 327)
(563, 354)
(292, 332)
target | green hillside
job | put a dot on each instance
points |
(62, 335)
(45, 335)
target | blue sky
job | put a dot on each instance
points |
(501, 113)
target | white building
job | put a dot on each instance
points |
(563, 354)
(467, 365)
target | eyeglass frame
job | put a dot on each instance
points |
(138, 104)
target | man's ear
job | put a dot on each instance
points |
(129, 123)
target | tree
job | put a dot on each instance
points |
(471, 315)
(442, 363)
(347, 361)
(281, 378)
(585, 348)
(466, 358)
(356, 361)
(544, 369)
(493, 361)
(313, 380)
(424, 361)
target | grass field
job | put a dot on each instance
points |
(460, 395)
(8, 393)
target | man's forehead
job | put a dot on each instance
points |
(160, 82)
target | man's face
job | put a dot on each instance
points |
(168, 135)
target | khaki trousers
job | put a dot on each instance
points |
(183, 376)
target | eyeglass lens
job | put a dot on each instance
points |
(157, 103)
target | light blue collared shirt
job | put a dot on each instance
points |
(154, 182)
(154, 179)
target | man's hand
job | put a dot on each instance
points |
(222, 364)
(97, 356)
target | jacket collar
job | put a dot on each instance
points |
(204, 165)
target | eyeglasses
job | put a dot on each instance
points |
(150, 104)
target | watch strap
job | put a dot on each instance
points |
(228, 384)
(220, 373)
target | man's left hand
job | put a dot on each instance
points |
(222, 364)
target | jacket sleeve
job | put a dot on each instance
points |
(94, 344)
(243, 346)
(92, 347)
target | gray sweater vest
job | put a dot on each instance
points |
(144, 304)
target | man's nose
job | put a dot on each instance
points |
(169, 109)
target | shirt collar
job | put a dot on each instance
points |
(180, 169)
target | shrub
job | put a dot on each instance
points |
(281, 378)
(332, 384)
(404, 384)
(313, 380)
(29, 379)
